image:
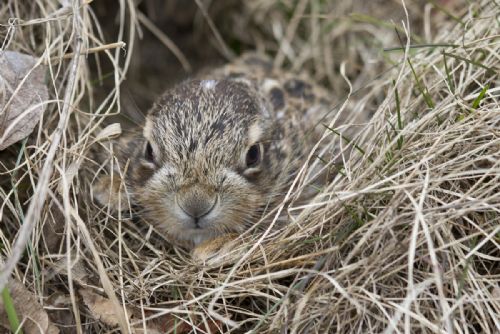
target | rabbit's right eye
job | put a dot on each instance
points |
(148, 153)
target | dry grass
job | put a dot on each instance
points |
(404, 239)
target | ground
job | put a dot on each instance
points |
(405, 237)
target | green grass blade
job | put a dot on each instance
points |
(32, 254)
(490, 70)
(347, 140)
(447, 12)
(8, 304)
(421, 46)
(398, 112)
(423, 90)
(448, 74)
(382, 23)
(480, 97)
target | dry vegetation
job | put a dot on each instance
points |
(406, 238)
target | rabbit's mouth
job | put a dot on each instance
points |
(197, 232)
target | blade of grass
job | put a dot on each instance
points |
(32, 254)
(480, 97)
(463, 277)
(420, 46)
(423, 90)
(347, 140)
(393, 128)
(448, 74)
(377, 22)
(8, 304)
(354, 214)
(447, 12)
(473, 62)
(398, 112)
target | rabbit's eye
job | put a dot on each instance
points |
(253, 156)
(148, 152)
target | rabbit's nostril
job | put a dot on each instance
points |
(196, 206)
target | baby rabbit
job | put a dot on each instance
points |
(216, 153)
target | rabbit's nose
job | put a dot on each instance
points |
(196, 203)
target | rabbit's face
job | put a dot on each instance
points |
(207, 162)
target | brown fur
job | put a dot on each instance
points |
(200, 132)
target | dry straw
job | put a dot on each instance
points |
(405, 238)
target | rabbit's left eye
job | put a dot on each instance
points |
(254, 156)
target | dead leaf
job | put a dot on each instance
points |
(102, 309)
(22, 96)
(28, 310)
(79, 273)
(60, 311)
(112, 130)
(53, 229)
(169, 324)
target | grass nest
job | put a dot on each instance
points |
(405, 238)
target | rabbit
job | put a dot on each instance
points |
(216, 152)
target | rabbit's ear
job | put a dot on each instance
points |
(274, 94)
(110, 190)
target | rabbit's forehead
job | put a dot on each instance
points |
(214, 118)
